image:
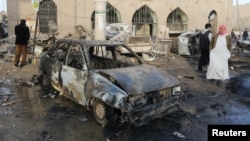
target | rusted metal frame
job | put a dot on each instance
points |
(142, 115)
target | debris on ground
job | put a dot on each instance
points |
(50, 95)
(179, 135)
(7, 94)
(84, 119)
(189, 77)
(11, 102)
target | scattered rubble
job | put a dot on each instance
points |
(179, 135)
(11, 102)
(7, 94)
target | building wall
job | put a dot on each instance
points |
(74, 12)
(241, 18)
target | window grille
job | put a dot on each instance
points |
(47, 12)
(177, 20)
(143, 15)
(143, 21)
(111, 15)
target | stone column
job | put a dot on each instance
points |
(100, 19)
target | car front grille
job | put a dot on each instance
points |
(159, 96)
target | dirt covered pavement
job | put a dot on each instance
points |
(28, 113)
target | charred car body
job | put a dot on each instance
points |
(115, 86)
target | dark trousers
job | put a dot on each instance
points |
(204, 59)
(21, 50)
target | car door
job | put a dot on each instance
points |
(74, 74)
(51, 63)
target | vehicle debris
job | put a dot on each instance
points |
(84, 119)
(11, 102)
(188, 43)
(50, 95)
(7, 94)
(179, 135)
(108, 139)
(116, 86)
(5, 98)
(189, 77)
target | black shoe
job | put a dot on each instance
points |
(21, 65)
(211, 81)
(219, 83)
(16, 65)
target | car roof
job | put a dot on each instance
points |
(93, 42)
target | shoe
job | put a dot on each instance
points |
(21, 65)
(211, 81)
(219, 83)
(200, 73)
(200, 70)
(16, 65)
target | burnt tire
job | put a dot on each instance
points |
(102, 113)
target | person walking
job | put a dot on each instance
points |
(1, 32)
(245, 34)
(234, 37)
(220, 52)
(22, 37)
(205, 39)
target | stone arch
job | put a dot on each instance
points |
(145, 21)
(47, 12)
(177, 21)
(213, 20)
(112, 15)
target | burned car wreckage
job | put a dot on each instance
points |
(115, 86)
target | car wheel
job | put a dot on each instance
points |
(100, 111)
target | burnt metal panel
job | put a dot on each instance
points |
(73, 80)
(103, 89)
(142, 79)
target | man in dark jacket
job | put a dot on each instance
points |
(245, 34)
(1, 32)
(22, 37)
(205, 39)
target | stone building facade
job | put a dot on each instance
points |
(241, 18)
(148, 16)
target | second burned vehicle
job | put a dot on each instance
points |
(115, 86)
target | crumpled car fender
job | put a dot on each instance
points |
(103, 89)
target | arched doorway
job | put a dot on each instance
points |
(177, 21)
(145, 22)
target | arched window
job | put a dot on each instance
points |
(144, 21)
(177, 21)
(112, 15)
(47, 12)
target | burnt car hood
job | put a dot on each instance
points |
(141, 79)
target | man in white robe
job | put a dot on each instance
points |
(219, 54)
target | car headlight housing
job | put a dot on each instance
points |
(176, 90)
(137, 100)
